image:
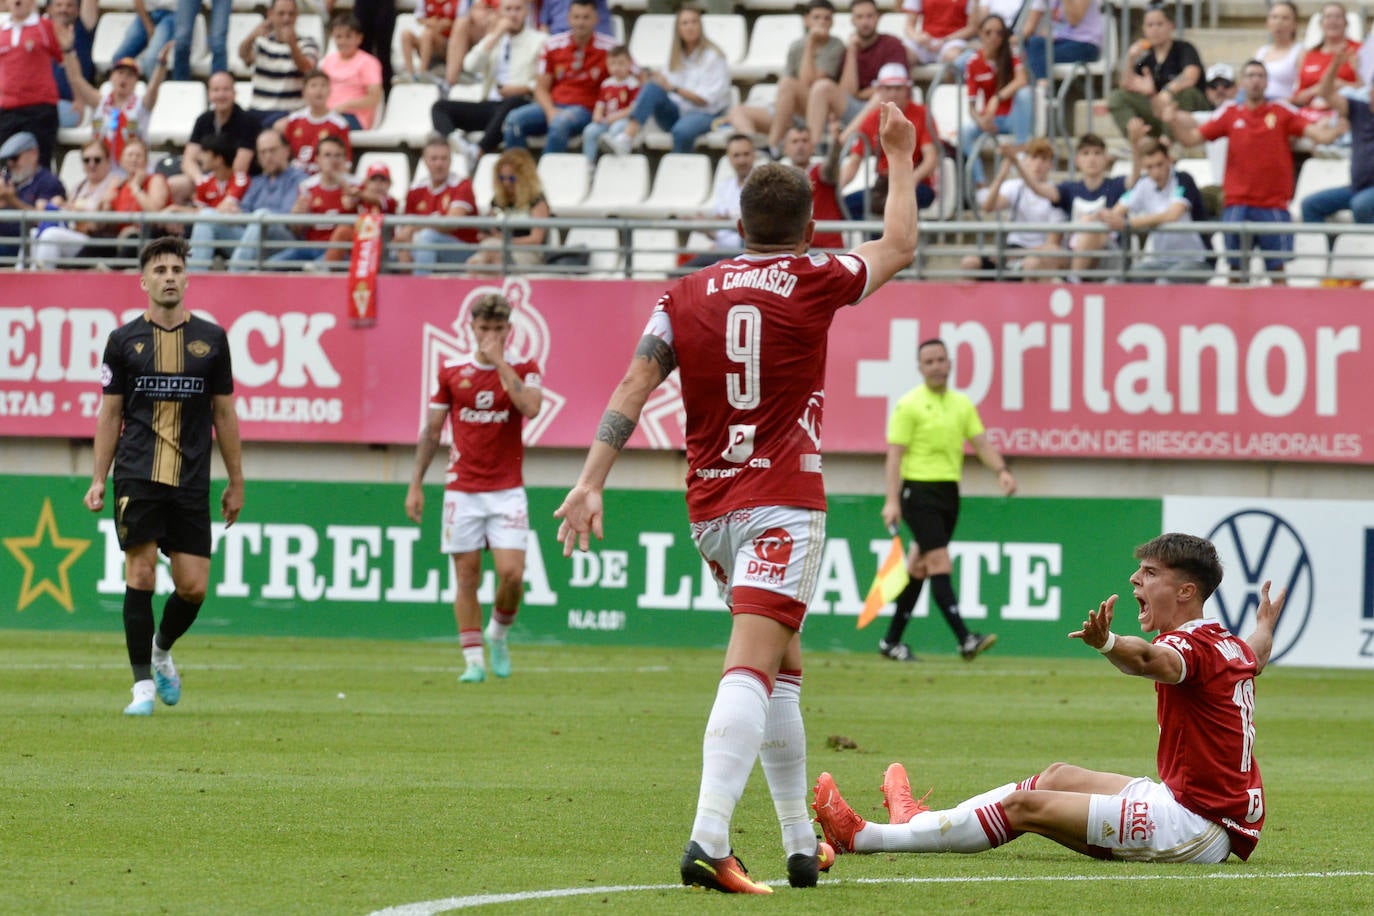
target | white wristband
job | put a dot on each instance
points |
(1107, 646)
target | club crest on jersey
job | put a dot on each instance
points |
(773, 550)
(198, 348)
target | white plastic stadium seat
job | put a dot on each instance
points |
(1353, 256)
(946, 193)
(1199, 169)
(730, 33)
(1311, 260)
(178, 106)
(311, 25)
(404, 120)
(240, 24)
(1319, 175)
(654, 252)
(243, 94)
(200, 49)
(604, 245)
(682, 187)
(484, 182)
(405, 22)
(620, 182)
(650, 40)
(947, 101)
(566, 178)
(842, 27)
(109, 33)
(768, 43)
(398, 163)
(71, 173)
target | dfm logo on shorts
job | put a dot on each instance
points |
(1255, 545)
(772, 552)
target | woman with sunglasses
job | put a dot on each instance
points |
(520, 194)
(59, 242)
(999, 94)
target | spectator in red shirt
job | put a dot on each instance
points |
(892, 85)
(428, 38)
(825, 202)
(938, 30)
(305, 127)
(999, 93)
(1259, 161)
(570, 75)
(373, 196)
(1319, 57)
(440, 192)
(28, 90)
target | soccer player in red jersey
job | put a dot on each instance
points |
(1209, 801)
(486, 398)
(749, 336)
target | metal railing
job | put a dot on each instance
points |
(635, 248)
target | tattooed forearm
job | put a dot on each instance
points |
(658, 351)
(615, 429)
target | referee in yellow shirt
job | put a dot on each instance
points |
(925, 459)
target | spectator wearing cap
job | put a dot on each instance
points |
(1259, 161)
(25, 184)
(274, 190)
(570, 74)
(28, 92)
(372, 196)
(153, 27)
(82, 20)
(1077, 30)
(223, 118)
(280, 60)
(121, 113)
(1358, 196)
(866, 52)
(892, 85)
(1159, 70)
(1221, 84)
(440, 192)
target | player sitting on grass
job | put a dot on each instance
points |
(1209, 802)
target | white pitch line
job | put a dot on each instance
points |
(432, 907)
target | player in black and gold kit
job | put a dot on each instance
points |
(168, 382)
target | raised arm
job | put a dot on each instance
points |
(1261, 641)
(1130, 654)
(581, 512)
(1327, 87)
(896, 247)
(82, 90)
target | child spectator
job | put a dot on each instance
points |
(374, 196)
(355, 76)
(120, 114)
(1025, 206)
(612, 111)
(304, 129)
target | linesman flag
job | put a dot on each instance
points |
(892, 577)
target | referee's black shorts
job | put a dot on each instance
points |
(930, 509)
(177, 518)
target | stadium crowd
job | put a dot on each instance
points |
(197, 100)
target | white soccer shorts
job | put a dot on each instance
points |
(499, 519)
(1145, 823)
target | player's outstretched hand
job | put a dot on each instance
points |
(1098, 625)
(95, 496)
(581, 513)
(898, 135)
(1267, 614)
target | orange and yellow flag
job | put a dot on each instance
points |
(892, 577)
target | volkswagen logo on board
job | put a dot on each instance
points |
(1256, 545)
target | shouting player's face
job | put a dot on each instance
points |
(1156, 589)
(164, 280)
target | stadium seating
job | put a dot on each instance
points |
(730, 33)
(619, 183)
(650, 39)
(243, 94)
(404, 118)
(405, 22)
(1354, 28)
(240, 24)
(109, 33)
(681, 187)
(483, 182)
(603, 246)
(769, 40)
(1354, 256)
(566, 178)
(178, 106)
(1319, 175)
(654, 253)
(70, 173)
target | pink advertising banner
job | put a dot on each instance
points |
(1114, 371)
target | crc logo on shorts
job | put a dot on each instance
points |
(1255, 545)
(485, 399)
(772, 553)
(741, 443)
(1136, 816)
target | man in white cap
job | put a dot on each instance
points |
(1220, 87)
(892, 85)
(24, 185)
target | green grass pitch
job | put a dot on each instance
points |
(335, 776)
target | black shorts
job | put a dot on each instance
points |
(930, 510)
(176, 517)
